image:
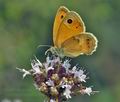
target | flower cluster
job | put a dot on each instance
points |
(57, 79)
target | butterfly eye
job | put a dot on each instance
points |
(69, 21)
(62, 16)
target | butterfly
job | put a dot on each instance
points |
(69, 35)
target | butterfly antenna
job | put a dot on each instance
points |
(49, 50)
(49, 46)
(44, 46)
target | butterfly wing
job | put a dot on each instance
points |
(61, 13)
(70, 26)
(84, 43)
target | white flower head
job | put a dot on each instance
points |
(88, 91)
(56, 77)
(24, 71)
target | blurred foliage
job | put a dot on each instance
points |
(25, 24)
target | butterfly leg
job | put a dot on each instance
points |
(52, 50)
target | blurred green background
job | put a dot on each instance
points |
(25, 24)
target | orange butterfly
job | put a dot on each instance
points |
(69, 35)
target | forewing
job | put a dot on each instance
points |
(71, 25)
(61, 13)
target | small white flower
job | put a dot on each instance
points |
(50, 82)
(36, 65)
(67, 91)
(66, 64)
(54, 60)
(39, 63)
(45, 65)
(74, 69)
(79, 74)
(24, 71)
(82, 78)
(49, 68)
(57, 59)
(48, 62)
(88, 90)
